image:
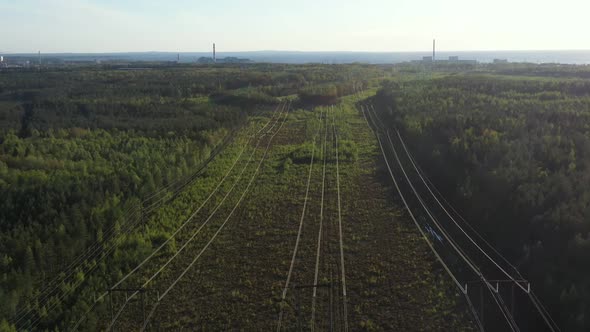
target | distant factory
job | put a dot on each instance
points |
(451, 60)
(500, 60)
(229, 59)
(214, 59)
(5, 64)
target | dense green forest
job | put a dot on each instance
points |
(513, 154)
(86, 153)
(90, 156)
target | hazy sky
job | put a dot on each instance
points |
(305, 25)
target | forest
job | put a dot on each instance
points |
(510, 148)
(87, 154)
(99, 165)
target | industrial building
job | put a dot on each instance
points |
(452, 59)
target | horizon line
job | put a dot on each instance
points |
(292, 51)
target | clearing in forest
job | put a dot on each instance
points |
(292, 227)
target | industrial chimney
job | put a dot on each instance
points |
(214, 58)
(433, 50)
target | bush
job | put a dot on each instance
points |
(325, 95)
(303, 154)
(348, 150)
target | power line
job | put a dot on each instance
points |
(543, 313)
(192, 237)
(162, 267)
(463, 255)
(244, 193)
(295, 249)
(185, 223)
(430, 245)
(463, 290)
(340, 230)
(453, 219)
(193, 215)
(98, 250)
(319, 245)
(496, 296)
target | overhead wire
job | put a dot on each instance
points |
(410, 158)
(439, 258)
(462, 254)
(162, 267)
(319, 242)
(551, 324)
(341, 240)
(298, 238)
(98, 250)
(244, 193)
(188, 219)
(429, 243)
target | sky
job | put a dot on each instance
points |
(296, 25)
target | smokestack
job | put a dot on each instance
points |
(433, 50)
(178, 57)
(214, 58)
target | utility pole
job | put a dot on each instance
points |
(111, 305)
(512, 300)
(297, 311)
(331, 304)
(481, 304)
(143, 306)
(499, 283)
(140, 290)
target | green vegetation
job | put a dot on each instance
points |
(100, 166)
(237, 284)
(512, 153)
(83, 149)
(75, 159)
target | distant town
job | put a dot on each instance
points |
(121, 59)
(229, 59)
(57, 60)
(26, 61)
(454, 60)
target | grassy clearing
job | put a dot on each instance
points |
(393, 282)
